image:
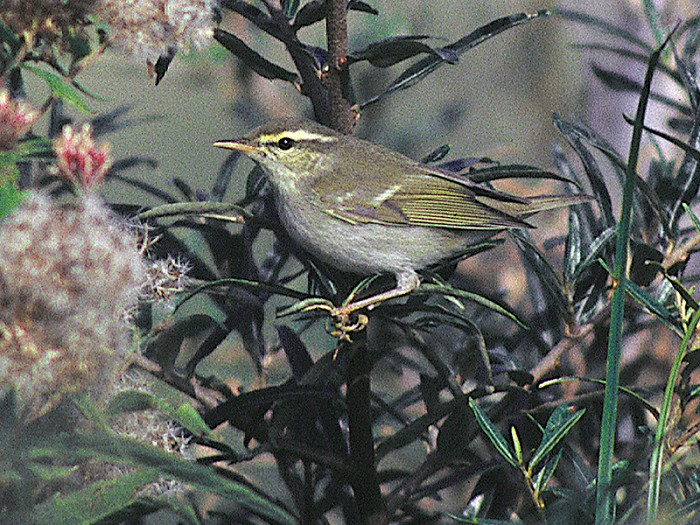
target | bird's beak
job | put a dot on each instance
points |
(241, 145)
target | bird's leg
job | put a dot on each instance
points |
(406, 281)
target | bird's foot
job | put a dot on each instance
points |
(347, 322)
(344, 319)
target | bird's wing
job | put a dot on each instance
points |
(422, 198)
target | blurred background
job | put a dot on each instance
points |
(497, 101)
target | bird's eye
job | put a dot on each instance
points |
(285, 143)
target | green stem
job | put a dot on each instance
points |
(657, 454)
(605, 496)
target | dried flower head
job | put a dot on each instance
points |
(165, 278)
(80, 159)
(149, 29)
(45, 21)
(149, 426)
(67, 274)
(16, 118)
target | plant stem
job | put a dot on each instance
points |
(337, 80)
(363, 474)
(605, 496)
(657, 453)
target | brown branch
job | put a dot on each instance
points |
(363, 474)
(311, 84)
(682, 252)
(551, 361)
(337, 79)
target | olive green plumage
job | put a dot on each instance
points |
(363, 208)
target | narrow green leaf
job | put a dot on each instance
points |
(246, 283)
(51, 472)
(190, 208)
(392, 50)
(693, 218)
(619, 166)
(315, 11)
(136, 400)
(436, 155)
(515, 171)
(253, 59)
(652, 304)
(256, 16)
(623, 390)
(367, 281)
(478, 521)
(574, 247)
(307, 305)
(558, 425)
(470, 296)
(493, 434)
(310, 13)
(663, 427)
(543, 270)
(95, 502)
(362, 7)
(516, 445)
(687, 148)
(290, 7)
(40, 146)
(677, 285)
(575, 135)
(428, 65)
(605, 493)
(61, 88)
(415, 429)
(596, 247)
(154, 461)
(188, 417)
(546, 473)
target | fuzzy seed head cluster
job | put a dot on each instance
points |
(149, 29)
(146, 29)
(68, 272)
(165, 278)
(16, 118)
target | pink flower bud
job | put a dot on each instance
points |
(80, 159)
(16, 118)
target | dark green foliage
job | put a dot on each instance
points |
(498, 407)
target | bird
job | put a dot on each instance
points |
(363, 208)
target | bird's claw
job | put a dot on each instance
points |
(345, 320)
(345, 323)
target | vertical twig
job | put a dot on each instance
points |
(363, 474)
(337, 80)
